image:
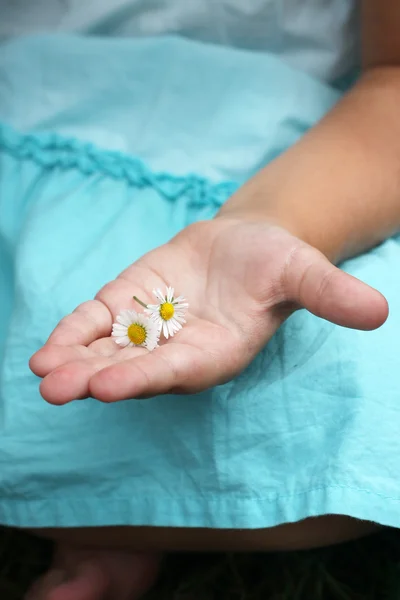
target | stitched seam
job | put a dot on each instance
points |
(219, 498)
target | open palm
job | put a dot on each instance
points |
(241, 280)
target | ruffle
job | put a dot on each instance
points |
(53, 151)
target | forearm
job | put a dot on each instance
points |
(338, 188)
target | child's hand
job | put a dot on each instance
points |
(241, 279)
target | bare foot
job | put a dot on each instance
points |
(80, 573)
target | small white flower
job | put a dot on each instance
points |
(169, 313)
(135, 329)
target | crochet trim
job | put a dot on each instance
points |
(52, 151)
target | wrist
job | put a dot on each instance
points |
(258, 201)
(338, 188)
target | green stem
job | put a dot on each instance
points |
(140, 302)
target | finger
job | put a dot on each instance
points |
(89, 321)
(52, 356)
(118, 295)
(70, 381)
(170, 368)
(326, 291)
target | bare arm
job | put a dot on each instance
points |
(338, 188)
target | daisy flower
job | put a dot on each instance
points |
(169, 313)
(134, 329)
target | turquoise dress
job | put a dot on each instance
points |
(100, 135)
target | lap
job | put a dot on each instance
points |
(309, 533)
(295, 435)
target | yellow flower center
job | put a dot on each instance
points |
(167, 311)
(137, 334)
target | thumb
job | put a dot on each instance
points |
(315, 284)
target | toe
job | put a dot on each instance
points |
(89, 582)
(82, 573)
(43, 586)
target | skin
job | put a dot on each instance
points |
(342, 197)
(268, 271)
(272, 248)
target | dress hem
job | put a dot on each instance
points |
(216, 513)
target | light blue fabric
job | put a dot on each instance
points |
(320, 38)
(310, 428)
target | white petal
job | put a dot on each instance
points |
(179, 314)
(171, 324)
(151, 322)
(158, 294)
(118, 333)
(152, 308)
(180, 319)
(179, 299)
(124, 318)
(119, 327)
(133, 316)
(175, 325)
(165, 329)
(170, 294)
(151, 344)
(156, 320)
(171, 329)
(141, 319)
(152, 330)
(181, 305)
(123, 341)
